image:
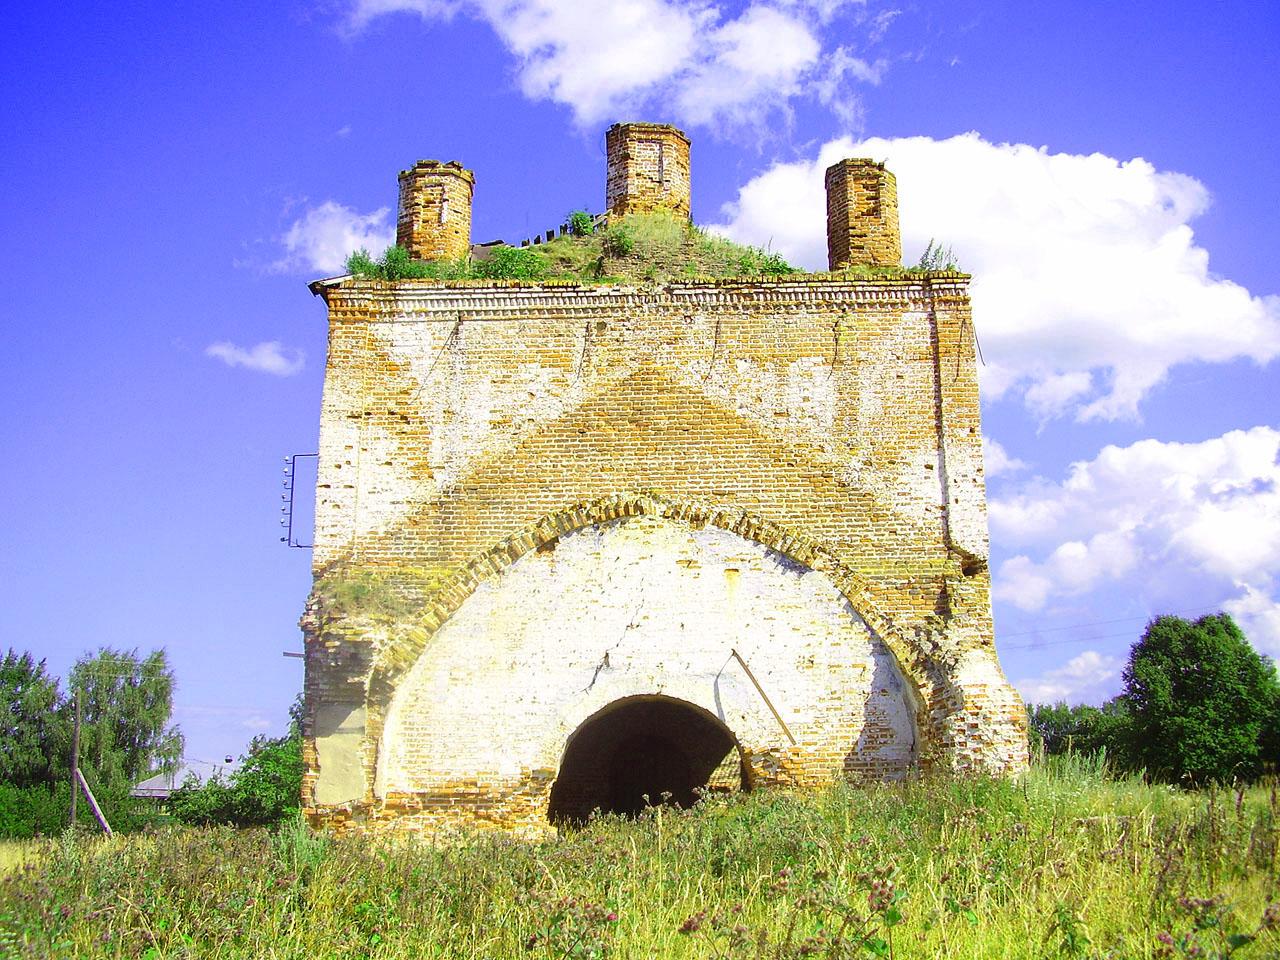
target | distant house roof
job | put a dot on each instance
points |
(161, 785)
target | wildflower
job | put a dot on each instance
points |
(880, 897)
(1271, 916)
(1165, 944)
(694, 923)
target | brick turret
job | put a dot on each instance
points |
(434, 218)
(648, 169)
(862, 215)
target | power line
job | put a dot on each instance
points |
(1101, 623)
(1058, 643)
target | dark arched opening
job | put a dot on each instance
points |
(643, 751)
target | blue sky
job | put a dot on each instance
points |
(172, 176)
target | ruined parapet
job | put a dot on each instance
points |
(648, 169)
(434, 217)
(862, 215)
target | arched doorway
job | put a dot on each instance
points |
(642, 751)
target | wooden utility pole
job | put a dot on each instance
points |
(75, 757)
(93, 804)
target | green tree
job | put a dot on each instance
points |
(1058, 728)
(268, 785)
(264, 790)
(125, 704)
(1202, 702)
(31, 728)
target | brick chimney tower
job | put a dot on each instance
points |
(434, 218)
(862, 215)
(648, 169)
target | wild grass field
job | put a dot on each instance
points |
(1064, 863)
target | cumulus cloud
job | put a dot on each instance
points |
(998, 459)
(270, 356)
(1161, 511)
(692, 59)
(1090, 677)
(323, 237)
(1088, 284)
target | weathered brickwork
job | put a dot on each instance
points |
(648, 169)
(433, 221)
(553, 519)
(862, 215)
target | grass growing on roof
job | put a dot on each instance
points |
(649, 247)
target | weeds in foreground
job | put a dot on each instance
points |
(1063, 864)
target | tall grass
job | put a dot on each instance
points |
(1064, 863)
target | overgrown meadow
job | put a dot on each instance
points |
(1064, 863)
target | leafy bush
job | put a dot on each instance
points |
(263, 791)
(618, 241)
(363, 265)
(512, 263)
(396, 264)
(34, 811)
(581, 224)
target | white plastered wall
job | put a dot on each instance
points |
(644, 606)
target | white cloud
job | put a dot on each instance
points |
(1088, 285)
(270, 356)
(1163, 512)
(1258, 615)
(325, 235)
(998, 460)
(1090, 677)
(690, 58)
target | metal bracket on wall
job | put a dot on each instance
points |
(286, 498)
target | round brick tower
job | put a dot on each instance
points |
(648, 169)
(434, 218)
(862, 215)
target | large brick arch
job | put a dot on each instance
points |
(919, 656)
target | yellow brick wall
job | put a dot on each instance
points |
(862, 215)
(433, 220)
(466, 426)
(648, 169)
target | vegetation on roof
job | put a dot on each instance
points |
(649, 247)
(640, 248)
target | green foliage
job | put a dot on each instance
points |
(363, 265)
(32, 728)
(936, 258)
(1054, 866)
(33, 811)
(581, 224)
(655, 247)
(1202, 701)
(396, 264)
(617, 241)
(126, 702)
(125, 736)
(1058, 729)
(263, 791)
(511, 263)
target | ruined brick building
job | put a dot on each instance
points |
(578, 544)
